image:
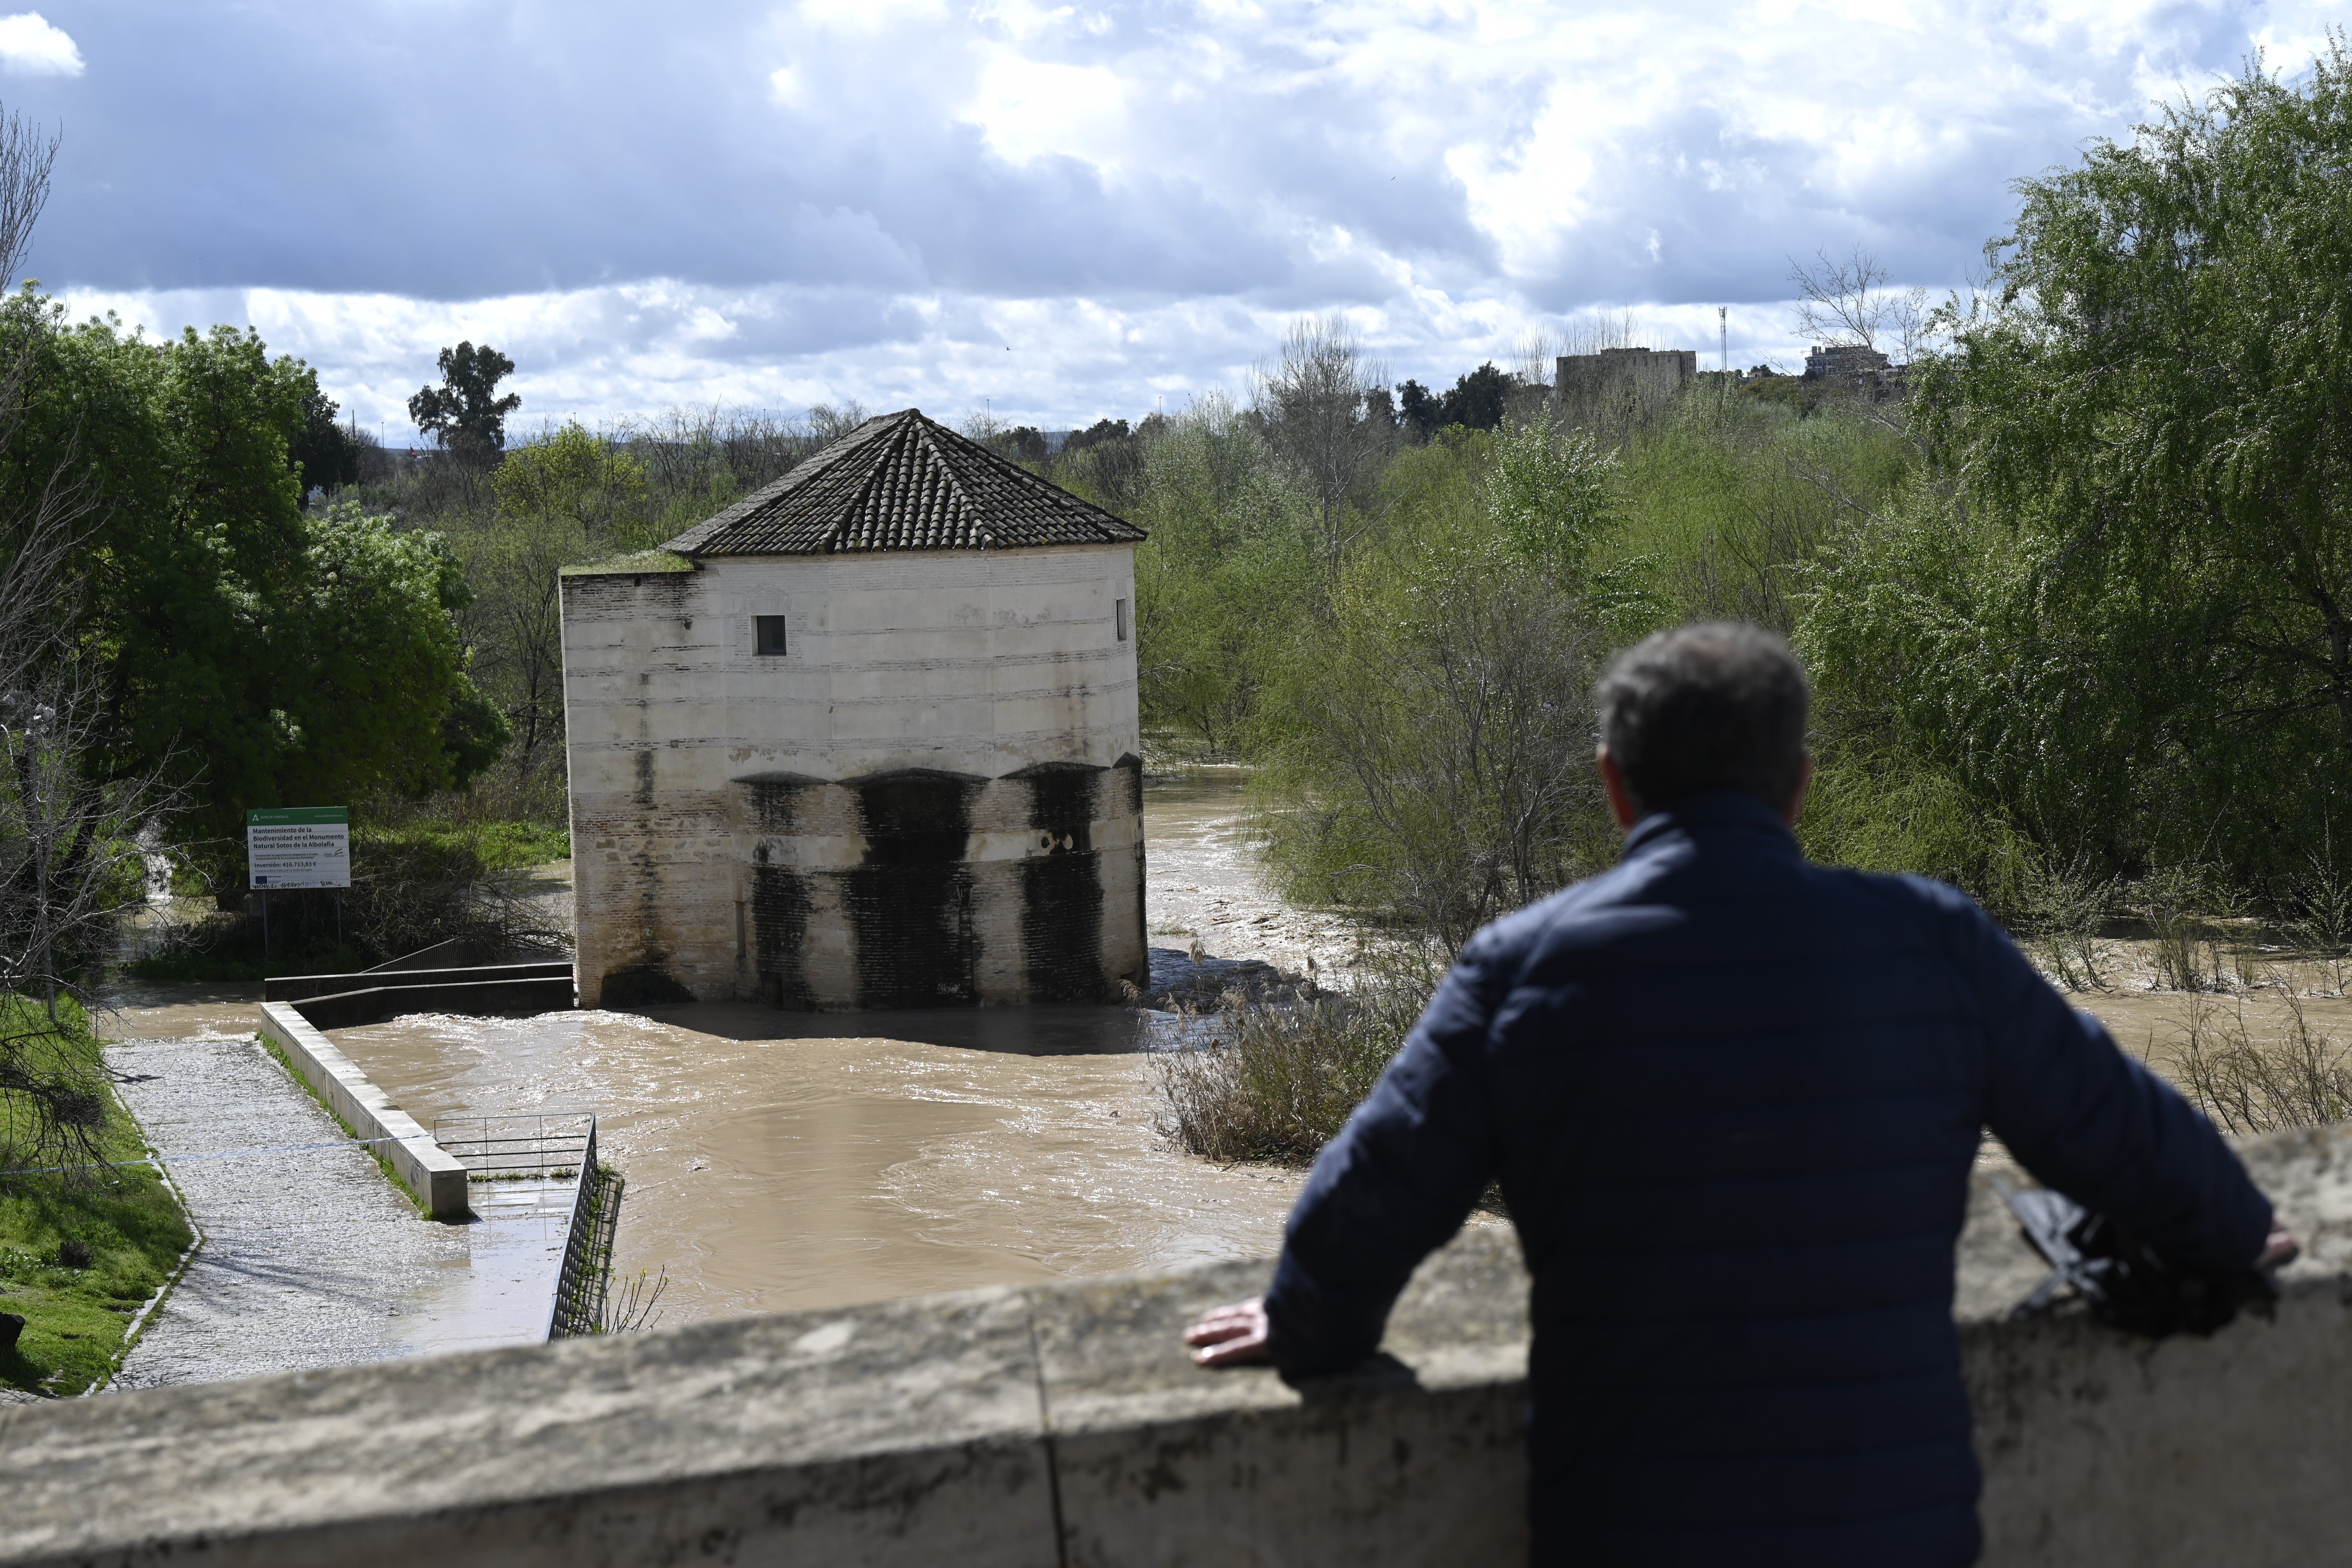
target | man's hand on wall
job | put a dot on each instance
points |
(1231, 1336)
(2278, 1251)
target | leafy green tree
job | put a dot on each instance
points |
(465, 413)
(573, 474)
(1429, 758)
(259, 656)
(560, 501)
(327, 454)
(1228, 572)
(1552, 493)
(2127, 622)
(1477, 400)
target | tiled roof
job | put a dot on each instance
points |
(903, 482)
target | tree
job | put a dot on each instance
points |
(830, 422)
(1022, 444)
(1437, 766)
(465, 413)
(1848, 304)
(1228, 573)
(1419, 410)
(1320, 412)
(1478, 400)
(573, 472)
(1552, 493)
(2126, 620)
(250, 653)
(327, 454)
(558, 503)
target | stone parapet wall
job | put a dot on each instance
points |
(1062, 1425)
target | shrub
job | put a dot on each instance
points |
(1286, 1076)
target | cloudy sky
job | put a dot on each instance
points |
(1051, 213)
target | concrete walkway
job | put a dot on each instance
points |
(314, 1259)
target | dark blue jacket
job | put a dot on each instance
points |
(1733, 1098)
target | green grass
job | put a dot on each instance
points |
(128, 1217)
(643, 561)
(516, 846)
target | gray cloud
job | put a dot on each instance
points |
(1059, 211)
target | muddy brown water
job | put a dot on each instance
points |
(779, 1160)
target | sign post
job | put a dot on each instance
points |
(297, 847)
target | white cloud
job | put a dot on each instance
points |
(1035, 109)
(772, 201)
(29, 45)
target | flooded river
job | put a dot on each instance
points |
(779, 1160)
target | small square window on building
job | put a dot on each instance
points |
(768, 632)
(1119, 615)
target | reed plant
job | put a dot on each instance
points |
(2304, 1078)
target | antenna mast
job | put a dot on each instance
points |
(1723, 328)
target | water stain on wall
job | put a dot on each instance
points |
(780, 893)
(1127, 784)
(909, 902)
(1061, 884)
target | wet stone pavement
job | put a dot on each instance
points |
(312, 1257)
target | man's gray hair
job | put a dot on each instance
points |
(1717, 706)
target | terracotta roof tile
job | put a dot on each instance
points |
(903, 482)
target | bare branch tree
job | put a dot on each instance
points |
(27, 154)
(1848, 303)
(1322, 414)
(831, 422)
(1590, 334)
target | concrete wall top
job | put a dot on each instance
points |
(433, 1175)
(1062, 1424)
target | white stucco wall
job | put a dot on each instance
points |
(697, 762)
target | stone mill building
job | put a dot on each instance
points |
(866, 739)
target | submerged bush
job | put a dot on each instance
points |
(2303, 1079)
(1285, 1078)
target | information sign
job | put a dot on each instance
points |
(299, 847)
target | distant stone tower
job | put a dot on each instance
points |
(867, 738)
(1618, 390)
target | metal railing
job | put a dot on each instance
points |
(551, 1143)
(580, 1285)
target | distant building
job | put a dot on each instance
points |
(867, 738)
(1850, 362)
(1619, 388)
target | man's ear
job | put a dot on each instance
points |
(1612, 784)
(1796, 801)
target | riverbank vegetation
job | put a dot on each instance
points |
(2077, 598)
(83, 1248)
(2075, 593)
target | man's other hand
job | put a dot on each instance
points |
(1231, 1336)
(2278, 1250)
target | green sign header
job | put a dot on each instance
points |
(299, 815)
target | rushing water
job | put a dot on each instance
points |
(779, 1160)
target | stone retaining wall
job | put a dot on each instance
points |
(478, 998)
(301, 988)
(1062, 1425)
(431, 1174)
